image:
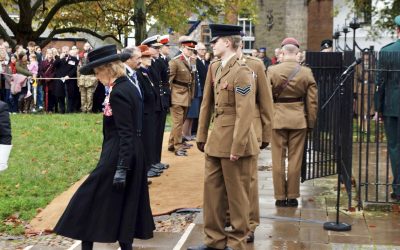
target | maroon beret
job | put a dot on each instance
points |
(290, 40)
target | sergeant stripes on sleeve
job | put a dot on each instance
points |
(243, 91)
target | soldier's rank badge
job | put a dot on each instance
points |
(243, 90)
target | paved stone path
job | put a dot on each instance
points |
(290, 228)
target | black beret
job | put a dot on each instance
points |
(327, 43)
(220, 30)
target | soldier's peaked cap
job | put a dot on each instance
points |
(327, 43)
(164, 40)
(221, 30)
(152, 41)
(290, 40)
(187, 42)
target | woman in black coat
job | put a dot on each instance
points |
(113, 203)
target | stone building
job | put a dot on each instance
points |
(309, 21)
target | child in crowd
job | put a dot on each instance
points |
(33, 67)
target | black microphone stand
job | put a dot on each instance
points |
(336, 225)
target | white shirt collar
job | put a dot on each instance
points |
(130, 70)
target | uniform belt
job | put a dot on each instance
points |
(184, 84)
(289, 100)
(226, 111)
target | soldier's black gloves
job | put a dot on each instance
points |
(119, 181)
(264, 145)
(200, 146)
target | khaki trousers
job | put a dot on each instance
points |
(227, 185)
(87, 98)
(291, 140)
(254, 216)
(253, 196)
(178, 115)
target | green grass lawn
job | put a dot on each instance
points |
(50, 153)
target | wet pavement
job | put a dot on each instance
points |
(291, 228)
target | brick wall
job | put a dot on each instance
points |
(320, 23)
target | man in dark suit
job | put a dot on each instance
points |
(202, 67)
(158, 72)
(65, 68)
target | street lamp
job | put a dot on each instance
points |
(354, 24)
(335, 37)
(345, 31)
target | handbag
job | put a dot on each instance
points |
(17, 81)
(4, 155)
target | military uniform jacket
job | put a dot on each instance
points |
(389, 81)
(181, 80)
(230, 94)
(263, 92)
(294, 115)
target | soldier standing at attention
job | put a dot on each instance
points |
(295, 110)
(387, 104)
(232, 144)
(262, 125)
(181, 79)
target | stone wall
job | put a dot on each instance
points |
(296, 21)
(278, 19)
(270, 26)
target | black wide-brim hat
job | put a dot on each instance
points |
(221, 30)
(101, 56)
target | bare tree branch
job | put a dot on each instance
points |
(36, 5)
(3, 33)
(54, 10)
(6, 18)
(75, 30)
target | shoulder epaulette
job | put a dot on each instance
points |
(241, 62)
(247, 57)
(176, 57)
(215, 60)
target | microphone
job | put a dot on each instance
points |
(351, 67)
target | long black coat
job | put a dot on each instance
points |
(151, 101)
(202, 71)
(97, 212)
(5, 124)
(67, 66)
(164, 89)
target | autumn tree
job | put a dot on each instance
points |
(29, 19)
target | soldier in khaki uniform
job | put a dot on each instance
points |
(181, 80)
(295, 109)
(87, 85)
(232, 144)
(263, 128)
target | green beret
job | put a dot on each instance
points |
(397, 20)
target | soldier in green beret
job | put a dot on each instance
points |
(387, 103)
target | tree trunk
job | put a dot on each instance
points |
(139, 20)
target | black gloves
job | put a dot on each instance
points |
(119, 181)
(264, 145)
(200, 146)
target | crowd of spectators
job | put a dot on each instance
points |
(35, 81)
